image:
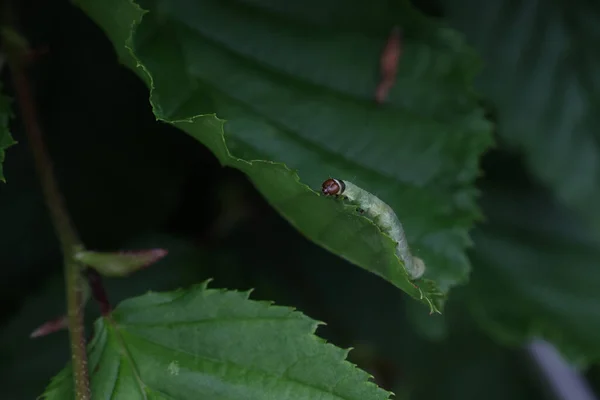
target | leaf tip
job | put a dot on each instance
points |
(204, 285)
(49, 327)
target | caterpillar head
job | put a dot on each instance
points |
(333, 187)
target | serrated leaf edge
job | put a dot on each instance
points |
(420, 295)
(108, 322)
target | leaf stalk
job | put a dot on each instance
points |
(17, 50)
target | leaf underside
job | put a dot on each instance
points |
(214, 344)
(298, 89)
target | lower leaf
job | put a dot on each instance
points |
(214, 344)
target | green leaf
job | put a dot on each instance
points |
(537, 273)
(297, 87)
(541, 63)
(214, 344)
(6, 139)
(120, 263)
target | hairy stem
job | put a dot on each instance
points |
(16, 50)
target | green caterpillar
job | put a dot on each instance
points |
(382, 215)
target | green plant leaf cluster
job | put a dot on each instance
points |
(171, 345)
(296, 89)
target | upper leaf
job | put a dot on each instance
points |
(541, 63)
(6, 139)
(213, 344)
(298, 87)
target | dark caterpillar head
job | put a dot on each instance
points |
(333, 187)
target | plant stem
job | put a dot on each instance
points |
(98, 293)
(65, 230)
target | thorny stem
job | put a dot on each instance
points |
(12, 43)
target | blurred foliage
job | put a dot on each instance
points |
(541, 75)
(537, 258)
(131, 182)
(6, 139)
(537, 273)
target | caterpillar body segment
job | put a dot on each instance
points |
(382, 215)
